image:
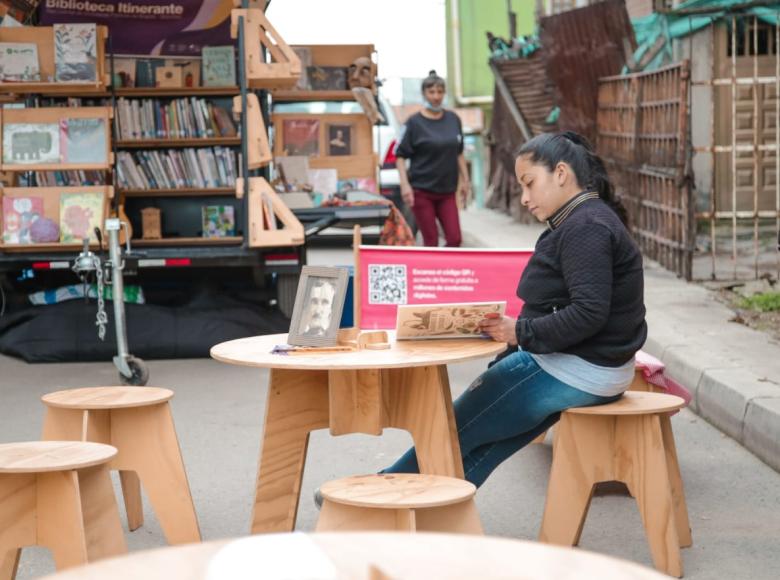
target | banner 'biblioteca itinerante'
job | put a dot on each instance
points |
(149, 27)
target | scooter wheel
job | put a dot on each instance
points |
(140, 373)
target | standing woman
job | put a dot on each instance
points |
(583, 320)
(432, 140)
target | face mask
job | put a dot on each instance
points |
(431, 108)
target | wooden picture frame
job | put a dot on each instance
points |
(319, 303)
(339, 139)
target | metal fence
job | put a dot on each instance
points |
(642, 127)
(739, 212)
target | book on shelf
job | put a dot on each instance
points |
(62, 178)
(204, 168)
(75, 53)
(80, 214)
(183, 118)
(146, 71)
(219, 66)
(83, 140)
(219, 221)
(19, 213)
(19, 62)
(31, 143)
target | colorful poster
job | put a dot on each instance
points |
(390, 276)
(143, 27)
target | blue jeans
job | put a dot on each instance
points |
(506, 408)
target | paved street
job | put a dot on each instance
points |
(733, 497)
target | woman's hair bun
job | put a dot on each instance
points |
(432, 72)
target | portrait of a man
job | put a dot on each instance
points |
(317, 316)
(319, 302)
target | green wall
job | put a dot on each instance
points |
(476, 17)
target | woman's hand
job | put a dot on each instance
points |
(464, 192)
(407, 194)
(500, 329)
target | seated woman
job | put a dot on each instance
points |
(583, 320)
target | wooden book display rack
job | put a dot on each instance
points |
(284, 70)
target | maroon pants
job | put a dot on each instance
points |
(428, 207)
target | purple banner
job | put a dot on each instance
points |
(149, 27)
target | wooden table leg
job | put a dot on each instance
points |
(297, 404)
(418, 399)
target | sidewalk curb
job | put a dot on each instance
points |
(735, 389)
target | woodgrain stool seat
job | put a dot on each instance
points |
(57, 494)
(630, 441)
(399, 501)
(138, 422)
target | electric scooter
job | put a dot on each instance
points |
(132, 370)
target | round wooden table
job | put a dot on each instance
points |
(364, 391)
(369, 556)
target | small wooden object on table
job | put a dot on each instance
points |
(138, 422)
(399, 502)
(630, 441)
(360, 391)
(58, 495)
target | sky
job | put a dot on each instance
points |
(409, 35)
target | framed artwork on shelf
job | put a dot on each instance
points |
(80, 214)
(339, 140)
(31, 143)
(319, 302)
(75, 53)
(327, 78)
(19, 62)
(301, 137)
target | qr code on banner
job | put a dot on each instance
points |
(387, 284)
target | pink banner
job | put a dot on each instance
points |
(391, 275)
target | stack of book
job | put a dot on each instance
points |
(207, 167)
(172, 119)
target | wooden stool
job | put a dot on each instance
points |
(57, 494)
(138, 422)
(399, 501)
(630, 441)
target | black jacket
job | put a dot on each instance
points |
(584, 287)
